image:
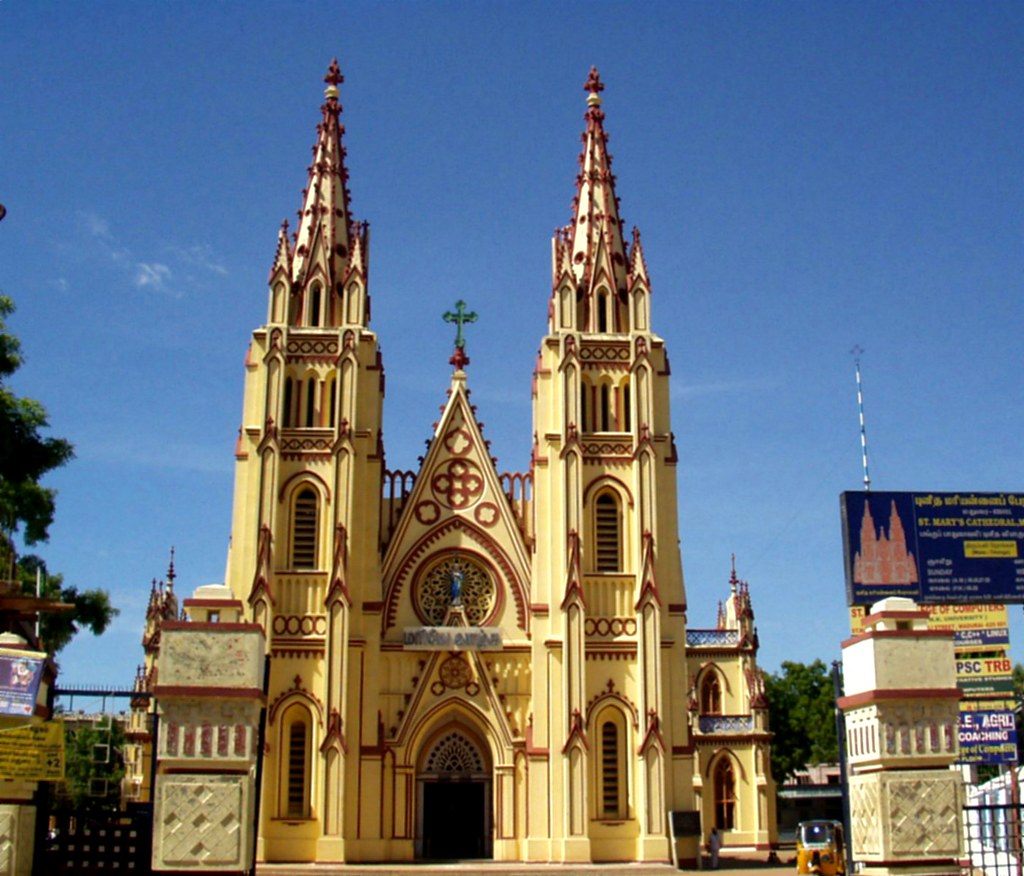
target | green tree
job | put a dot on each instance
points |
(25, 454)
(26, 506)
(93, 764)
(93, 610)
(801, 702)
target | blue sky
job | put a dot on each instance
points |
(806, 176)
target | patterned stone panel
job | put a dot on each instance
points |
(8, 839)
(16, 839)
(203, 823)
(906, 815)
(866, 826)
(924, 814)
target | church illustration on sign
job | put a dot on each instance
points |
(460, 663)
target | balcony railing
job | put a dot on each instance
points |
(725, 723)
(714, 638)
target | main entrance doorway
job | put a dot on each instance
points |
(454, 785)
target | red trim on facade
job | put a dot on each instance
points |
(897, 634)
(241, 627)
(870, 697)
(213, 603)
(175, 691)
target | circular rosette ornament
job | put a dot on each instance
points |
(434, 596)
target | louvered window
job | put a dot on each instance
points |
(304, 531)
(610, 770)
(607, 527)
(297, 778)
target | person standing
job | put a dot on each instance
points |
(714, 847)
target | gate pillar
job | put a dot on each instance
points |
(902, 713)
(209, 695)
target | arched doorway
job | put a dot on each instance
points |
(453, 788)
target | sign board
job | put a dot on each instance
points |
(452, 639)
(988, 737)
(33, 752)
(20, 674)
(933, 547)
(984, 676)
(975, 627)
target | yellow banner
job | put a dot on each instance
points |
(948, 617)
(33, 752)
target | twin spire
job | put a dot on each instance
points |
(329, 248)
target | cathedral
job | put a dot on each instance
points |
(464, 663)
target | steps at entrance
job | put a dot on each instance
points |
(497, 868)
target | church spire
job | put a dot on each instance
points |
(597, 246)
(591, 253)
(326, 236)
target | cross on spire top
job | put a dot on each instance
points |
(460, 317)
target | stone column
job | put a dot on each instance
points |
(901, 709)
(209, 694)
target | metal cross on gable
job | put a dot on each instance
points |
(460, 317)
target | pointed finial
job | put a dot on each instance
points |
(333, 78)
(595, 86)
(733, 580)
(170, 571)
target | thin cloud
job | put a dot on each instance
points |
(720, 387)
(148, 274)
(152, 274)
(200, 256)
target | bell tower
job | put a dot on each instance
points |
(306, 521)
(608, 570)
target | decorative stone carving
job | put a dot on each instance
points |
(203, 822)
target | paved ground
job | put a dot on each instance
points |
(735, 865)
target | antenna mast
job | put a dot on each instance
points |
(855, 352)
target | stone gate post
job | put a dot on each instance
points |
(901, 709)
(209, 694)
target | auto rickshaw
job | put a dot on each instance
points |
(820, 848)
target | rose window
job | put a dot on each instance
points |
(455, 582)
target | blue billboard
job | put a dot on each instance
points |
(988, 737)
(933, 547)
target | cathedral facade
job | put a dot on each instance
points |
(464, 663)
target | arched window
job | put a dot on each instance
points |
(604, 412)
(626, 418)
(602, 312)
(310, 400)
(333, 401)
(607, 534)
(725, 794)
(295, 309)
(584, 407)
(314, 306)
(296, 745)
(611, 780)
(304, 530)
(711, 695)
(288, 400)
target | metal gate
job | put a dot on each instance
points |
(87, 843)
(992, 840)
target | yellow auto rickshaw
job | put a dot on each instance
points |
(820, 848)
